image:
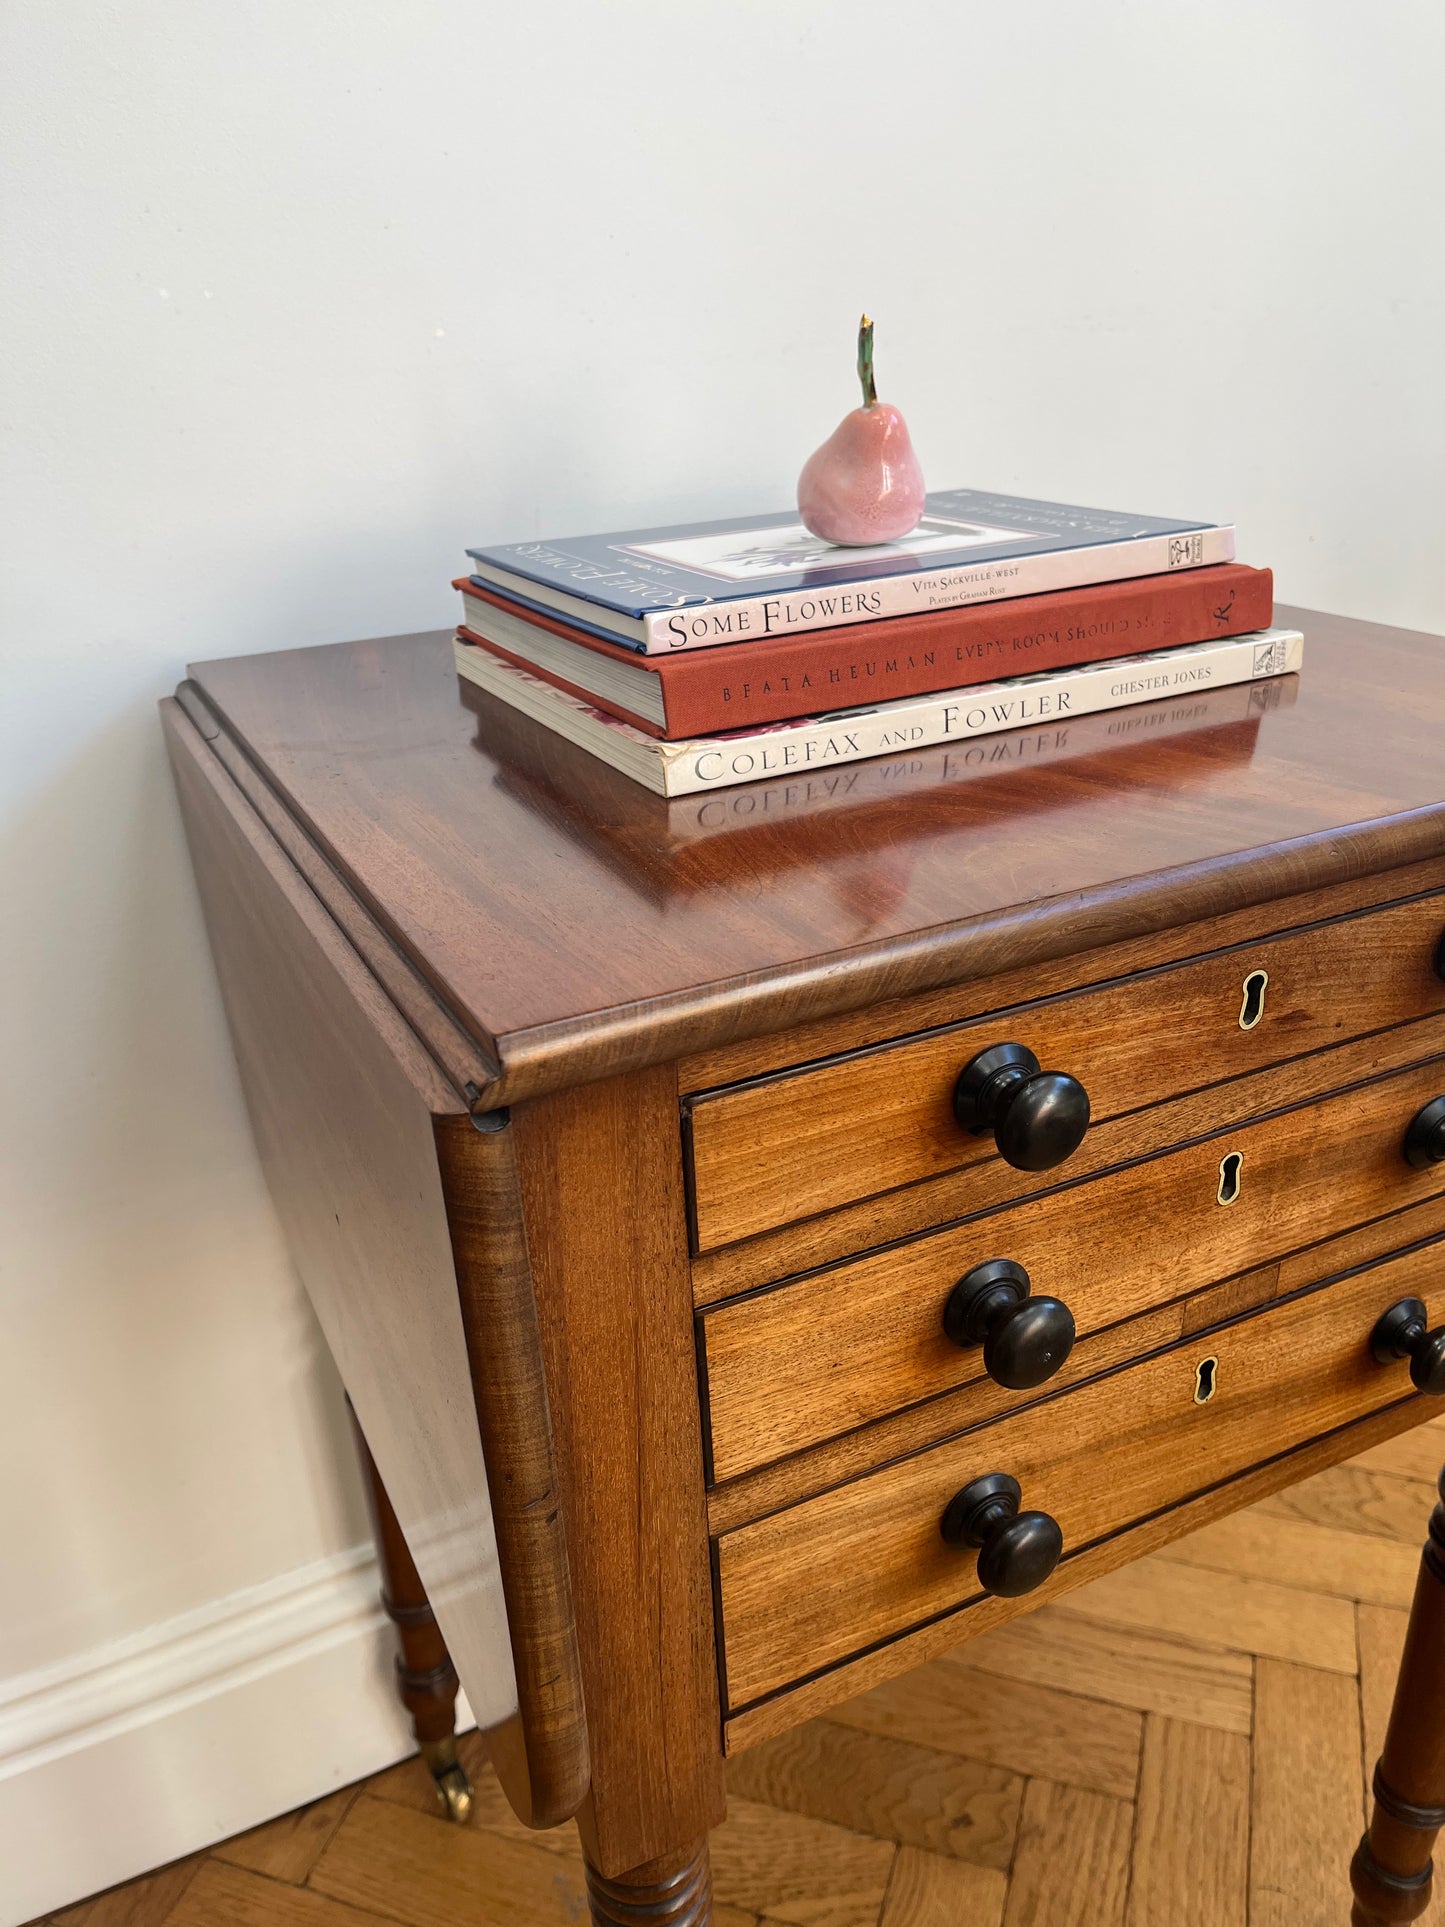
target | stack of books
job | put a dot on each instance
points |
(700, 657)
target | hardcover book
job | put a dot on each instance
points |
(849, 735)
(704, 583)
(699, 692)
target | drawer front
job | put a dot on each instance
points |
(791, 1145)
(808, 1587)
(792, 1365)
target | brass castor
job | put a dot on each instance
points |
(449, 1777)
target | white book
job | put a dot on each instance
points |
(883, 729)
(703, 583)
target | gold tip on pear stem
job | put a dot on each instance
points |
(865, 361)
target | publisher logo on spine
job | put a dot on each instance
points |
(1186, 551)
(1270, 658)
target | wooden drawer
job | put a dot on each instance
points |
(806, 1588)
(796, 1363)
(784, 1147)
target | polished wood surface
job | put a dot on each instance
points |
(343, 1099)
(486, 993)
(402, 780)
(1392, 1874)
(675, 1891)
(794, 1365)
(766, 1153)
(783, 1482)
(601, 1184)
(897, 1018)
(541, 1754)
(900, 1215)
(808, 1587)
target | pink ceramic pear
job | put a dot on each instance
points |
(864, 484)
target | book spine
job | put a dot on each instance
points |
(687, 768)
(728, 689)
(751, 618)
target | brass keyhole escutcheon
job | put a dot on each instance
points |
(1231, 1177)
(1206, 1380)
(1252, 1009)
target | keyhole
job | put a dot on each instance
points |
(1206, 1380)
(1252, 1009)
(1230, 1180)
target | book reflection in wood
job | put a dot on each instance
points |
(887, 729)
(670, 850)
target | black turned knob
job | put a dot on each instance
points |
(1400, 1333)
(1037, 1117)
(1425, 1137)
(1017, 1550)
(1025, 1339)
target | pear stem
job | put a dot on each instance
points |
(865, 362)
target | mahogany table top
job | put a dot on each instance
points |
(561, 911)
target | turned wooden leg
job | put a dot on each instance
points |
(1392, 1872)
(673, 1892)
(425, 1674)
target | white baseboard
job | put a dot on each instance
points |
(123, 1758)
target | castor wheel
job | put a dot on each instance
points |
(449, 1777)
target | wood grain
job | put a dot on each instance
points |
(824, 1354)
(287, 1849)
(1299, 1552)
(798, 1871)
(900, 1017)
(1033, 1730)
(1416, 1455)
(458, 1057)
(1381, 1635)
(1224, 1610)
(484, 1879)
(1352, 1498)
(1184, 1678)
(866, 1561)
(772, 1487)
(821, 1694)
(1184, 1865)
(1191, 1839)
(409, 788)
(226, 1896)
(1071, 1868)
(602, 1193)
(542, 1756)
(342, 1099)
(1407, 1787)
(926, 1890)
(919, 1208)
(782, 1148)
(892, 1789)
(1308, 1805)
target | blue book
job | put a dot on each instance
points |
(754, 576)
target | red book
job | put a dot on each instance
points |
(740, 685)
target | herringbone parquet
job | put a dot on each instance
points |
(1183, 1744)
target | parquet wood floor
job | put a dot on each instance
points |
(1184, 1744)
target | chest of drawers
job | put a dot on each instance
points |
(764, 1247)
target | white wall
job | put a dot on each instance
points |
(296, 300)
